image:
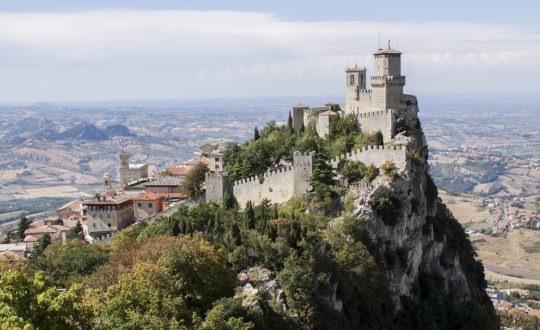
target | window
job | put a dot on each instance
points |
(149, 204)
(217, 167)
(217, 159)
(94, 225)
(139, 204)
(109, 224)
(352, 79)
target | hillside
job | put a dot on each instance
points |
(369, 248)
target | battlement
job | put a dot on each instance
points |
(376, 155)
(387, 77)
(374, 113)
(216, 174)
(316, 110)
(365, 91)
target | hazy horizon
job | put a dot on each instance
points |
(65, 51)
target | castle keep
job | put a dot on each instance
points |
(376, 110)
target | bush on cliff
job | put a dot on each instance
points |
(386, 204)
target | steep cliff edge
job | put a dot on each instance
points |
(428, 259)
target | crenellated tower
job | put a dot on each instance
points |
(387, 82)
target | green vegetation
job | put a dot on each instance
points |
(192, 185)
(352, 171)
(22, 226)
(386, 204)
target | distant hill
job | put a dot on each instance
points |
(30, 126)
(43, 129)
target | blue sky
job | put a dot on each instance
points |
(117, 50)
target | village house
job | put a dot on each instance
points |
(107, 214)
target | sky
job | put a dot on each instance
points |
(142, 50)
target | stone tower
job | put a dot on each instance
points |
(124, 168)
(387, 82)
(303, 168)
(107, 182)
(355, 80)
(298, 116)
(217, 184)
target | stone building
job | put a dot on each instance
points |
(131, 172)
(105, 215)
(375, 108)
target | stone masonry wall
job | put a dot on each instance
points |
(278, 186)
(376, 155)
(384, 121)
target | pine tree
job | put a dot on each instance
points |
(256, 134)
(24, 223)
(290, 123)
(43, 242)
(235, 233)
(250, 216)
(322, 177)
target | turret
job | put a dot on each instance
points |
(298, 116)
(355, 80)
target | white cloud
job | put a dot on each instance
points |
(119, 54)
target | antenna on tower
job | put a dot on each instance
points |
(388, 43)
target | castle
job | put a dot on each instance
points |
(131, 172)
(375, 109)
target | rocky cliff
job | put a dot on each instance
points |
(428, 259)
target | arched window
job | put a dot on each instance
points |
(352, 79)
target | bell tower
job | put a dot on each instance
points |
(387, 82)
(355, 80)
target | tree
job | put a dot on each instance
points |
(43, 242)
(67, 261)
(256, 134)
(290, 123)
(192, 185)
(31, 301)
(322, 177)
(23, 225)
(249, 214)
(76, 231)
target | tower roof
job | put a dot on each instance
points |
(356, 69)
(388, 50)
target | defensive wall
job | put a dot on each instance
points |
(383, 120)
(376, 155)
(278, 186)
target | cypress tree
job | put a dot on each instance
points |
(24, 223)
(250, 216)
(175, 229)
(290, 123)
(256, 134)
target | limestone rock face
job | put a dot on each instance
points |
(411, 240)
(258, 283)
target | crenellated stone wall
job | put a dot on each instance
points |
(278, 186)
(376, 155)
(383, 120)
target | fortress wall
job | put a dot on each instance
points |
(363, 103)
(278, 186)
(376, 155)
(384, 121)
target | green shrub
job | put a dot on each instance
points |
(386, 204)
